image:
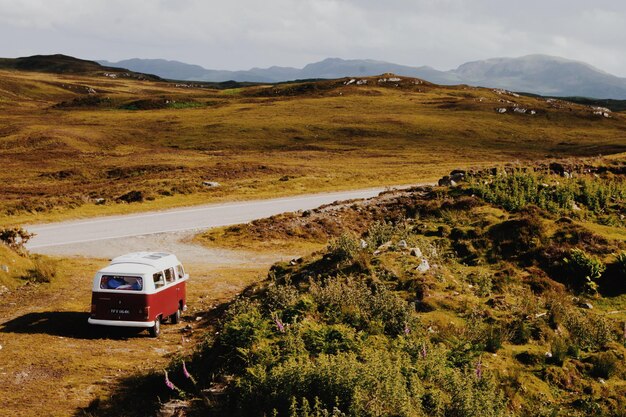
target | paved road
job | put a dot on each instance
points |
(51, 238)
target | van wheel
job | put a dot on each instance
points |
(156, 329)
(175, 318)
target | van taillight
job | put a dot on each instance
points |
(146, 313)
(93, 310)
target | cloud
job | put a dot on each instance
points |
(239, 34)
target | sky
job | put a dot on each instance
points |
(241, 34)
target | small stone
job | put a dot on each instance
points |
(5, 268)
(417, 252)
(548, 354)
(363, 244)
(588, 306)
(211, 184)
(402, 244)
(423, 266)
(173, 408)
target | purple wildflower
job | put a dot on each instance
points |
(185, 372)
(169, 383)
(279, 324)
(407, 329)
(479, 368)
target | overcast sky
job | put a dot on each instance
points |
(240, 34)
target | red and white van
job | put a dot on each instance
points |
(139, 289)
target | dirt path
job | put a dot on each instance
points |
(52, 362)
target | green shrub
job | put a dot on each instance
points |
(520, 332)
(583, 271)
(605, 365)
(379, 233)
(345, 247)
(558, 349)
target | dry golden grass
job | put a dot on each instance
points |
(52, 363)
(257, 142)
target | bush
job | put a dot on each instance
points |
(584, 271)
(344, 248)
(605, 365)
(379, 233)
(559, 349)
(15, 237)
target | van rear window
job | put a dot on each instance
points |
(116, 282)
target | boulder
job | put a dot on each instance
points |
(211, 184)
(402, 244)
(417, 252)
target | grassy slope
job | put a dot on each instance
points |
(497, 294)
(315, 137)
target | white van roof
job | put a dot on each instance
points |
(156, 260)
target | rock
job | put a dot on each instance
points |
(444, 181)
(567, 174)
(99, 201)
(501, 110)
(363, 244)
(5, 268)
(211, 184)
(575, 206)
(402, 244)
(423, 266)
(417, 252)
(361, 82)
(588, 306)
(173, 408)
(548, 355)
(458, 177)
(384, 246)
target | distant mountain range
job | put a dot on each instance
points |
(537, 74)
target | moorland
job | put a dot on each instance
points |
(88, 143)
(498, 294)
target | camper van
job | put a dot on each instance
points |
(139, 289)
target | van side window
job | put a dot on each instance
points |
(159, 280)
(169, 275)
(180, 271)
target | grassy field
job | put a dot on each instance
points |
(66, 152)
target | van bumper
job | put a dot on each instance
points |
(120, 323)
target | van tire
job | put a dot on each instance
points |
(155, 330)
(175, 318)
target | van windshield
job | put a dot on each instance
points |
(116, 282)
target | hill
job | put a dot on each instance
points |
(77, 145)
(502, 295)
(63, 64)
(539, 74)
